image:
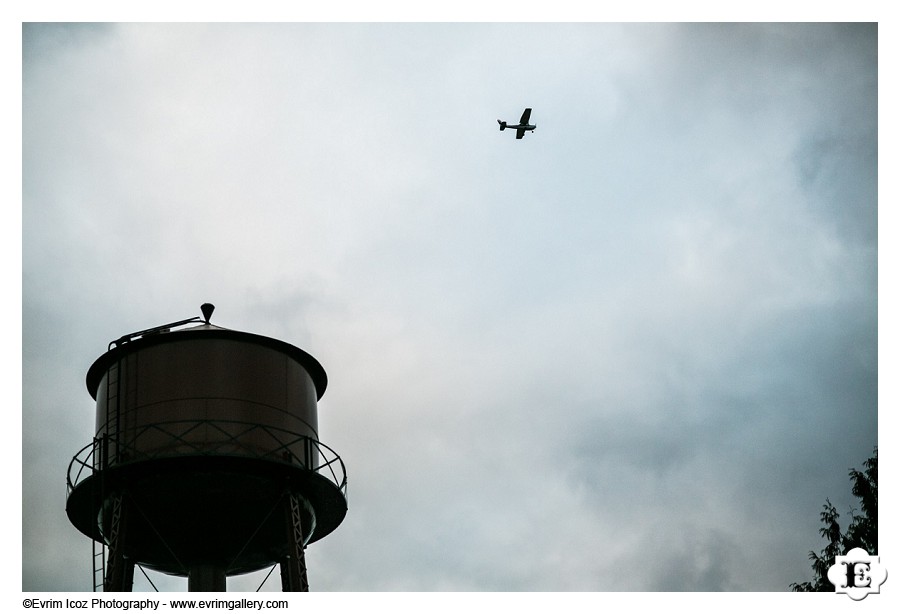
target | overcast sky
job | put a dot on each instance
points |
(642, 338)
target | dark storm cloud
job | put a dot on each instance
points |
(43, 41)
(827, 166)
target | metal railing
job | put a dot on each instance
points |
(174, 439)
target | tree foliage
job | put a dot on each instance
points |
(862, 532)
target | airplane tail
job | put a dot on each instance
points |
(502, 125)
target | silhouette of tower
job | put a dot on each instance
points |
(206, 460)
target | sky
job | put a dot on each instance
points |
(642, 338)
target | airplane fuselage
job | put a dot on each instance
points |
(504, 126)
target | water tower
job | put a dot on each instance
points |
(206, 460)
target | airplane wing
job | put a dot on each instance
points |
(520, 132)
(525, 117)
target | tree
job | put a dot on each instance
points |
(862, 532)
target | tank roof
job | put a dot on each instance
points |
(203, 331)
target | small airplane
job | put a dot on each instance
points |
(523, 124)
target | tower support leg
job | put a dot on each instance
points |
(119, 569)
(206, 579)
(293, 567)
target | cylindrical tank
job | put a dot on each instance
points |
(208, 439)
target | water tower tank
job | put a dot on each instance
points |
(206, 460)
